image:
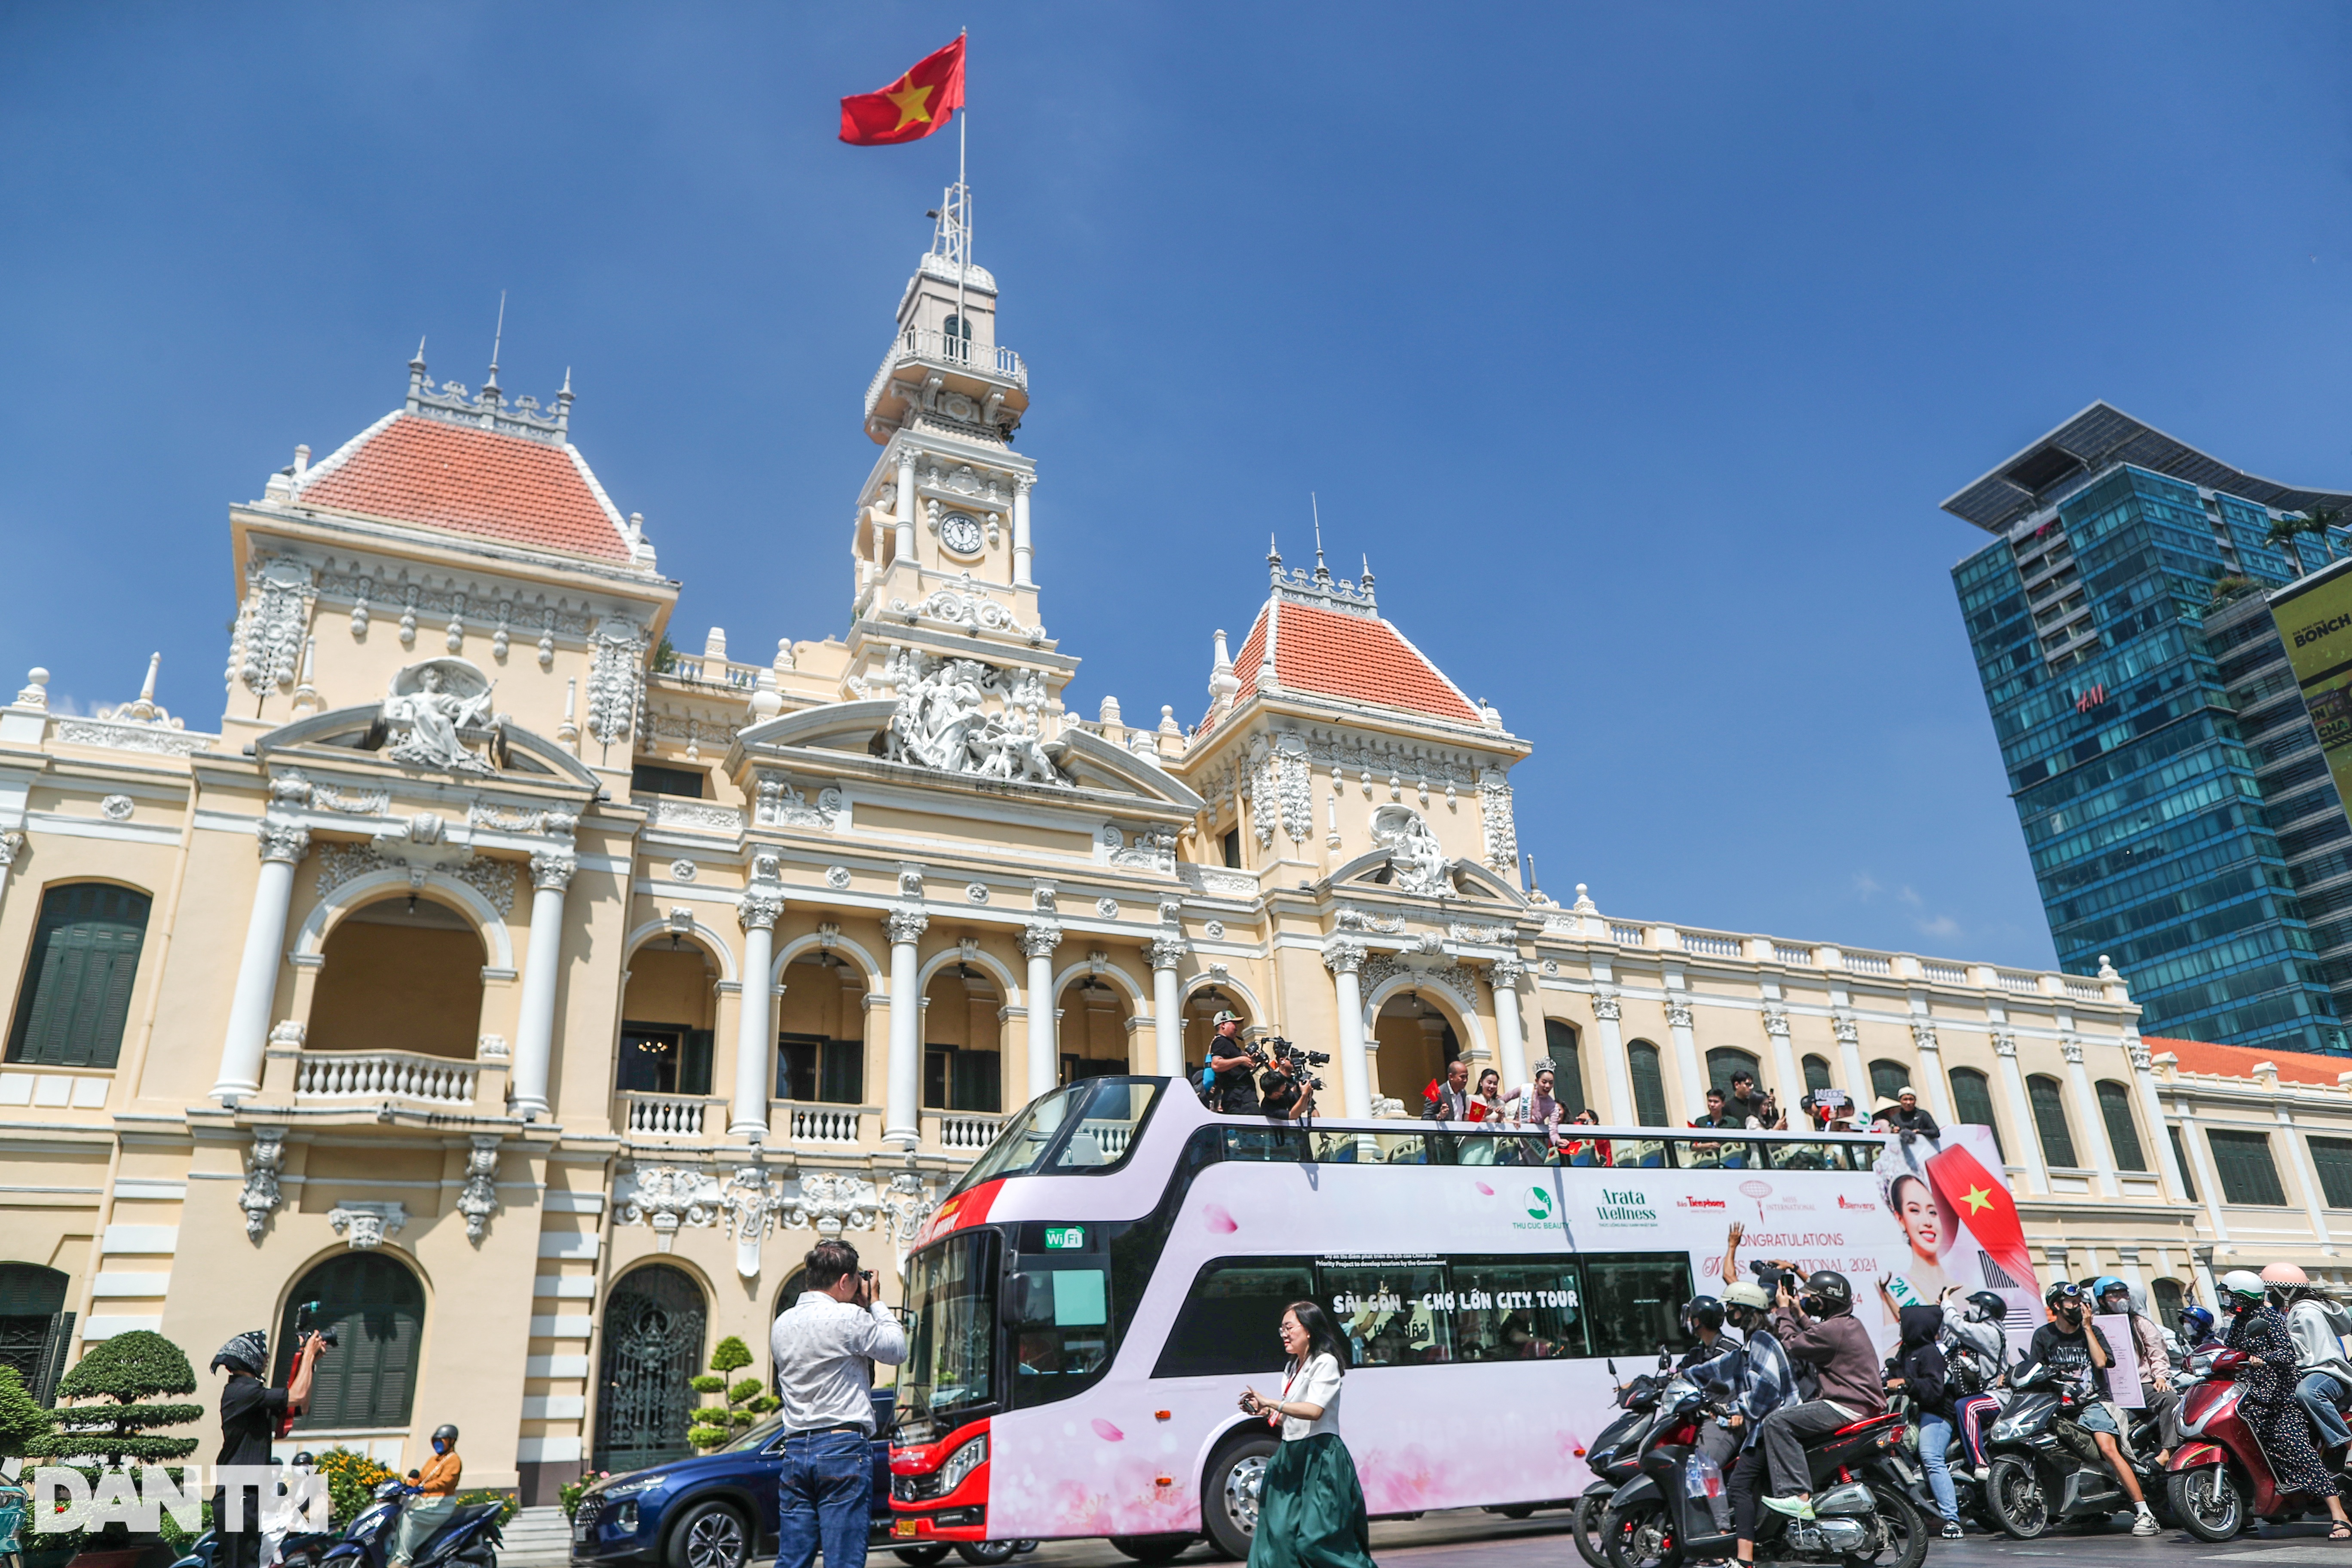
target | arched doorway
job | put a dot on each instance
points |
(654, 1325)
(963, 1053)
(1416, 1038)
(34, 1325)
(402, 973)
(667, 1012)
(821, 1031)
(1201, 1010)
(375, 1307)
(1092, 1031)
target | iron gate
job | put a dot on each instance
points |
(653, 1347)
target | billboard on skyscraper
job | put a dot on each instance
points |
(2314, 621)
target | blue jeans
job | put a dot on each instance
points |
(2321, 1395)
(1935, 1437)
(824, 1494)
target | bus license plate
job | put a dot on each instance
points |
(902, 1527)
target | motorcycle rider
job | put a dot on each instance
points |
(1754, 1379)
(2266, 1389)
(435, 1498)
(2197, 1330)
(2077, 1355)
(2156, 1393)
(2327, 1382)
(1976, 1348)
(1824, 1333)
(1921, 1372)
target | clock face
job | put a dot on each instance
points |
(960, 533)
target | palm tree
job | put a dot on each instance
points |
(2317, 520)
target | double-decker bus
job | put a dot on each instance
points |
(1088, 1304)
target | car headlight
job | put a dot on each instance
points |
(963, 1462)
(635, 1485)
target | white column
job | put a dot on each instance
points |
(1344, 956)
(1853, 1077)
(2306, 1176)
(906, 547)
(1510, 1038)
(2021, 1112)
(1929, 1077)
(1681, 1024)
(543, 961)
(2151, 1106)
(1167, 1013)
(2209, 1180)
(1787, 1080)
(282, 848)
(2087, 1113)
(1622, 1112)
(901, 1103)
(755, 1023)
(1021, 484)
(1038, 941)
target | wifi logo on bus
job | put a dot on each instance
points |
(1538, 1204)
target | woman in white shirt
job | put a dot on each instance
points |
(1310, 1508)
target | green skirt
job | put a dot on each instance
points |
(1310, 1508)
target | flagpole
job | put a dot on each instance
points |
(963, 201)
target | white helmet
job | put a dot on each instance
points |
(2244, 1284)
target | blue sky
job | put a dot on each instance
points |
(1634, 345)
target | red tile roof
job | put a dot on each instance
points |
(2238, 1061)
(1357, 658)
(426, 471)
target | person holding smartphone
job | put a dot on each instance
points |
(824, 1348)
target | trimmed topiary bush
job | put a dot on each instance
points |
(22, 1419)
(746, 1400)
(119, 1375)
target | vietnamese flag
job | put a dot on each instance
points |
(1977, 1198)
(910, 109)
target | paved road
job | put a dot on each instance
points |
(1471, 1538)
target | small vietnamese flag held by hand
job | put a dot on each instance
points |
(910, 109)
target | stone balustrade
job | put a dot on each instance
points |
(384, 1075)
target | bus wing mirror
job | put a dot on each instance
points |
(1012, 1306)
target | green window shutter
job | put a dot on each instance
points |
(2180, 1158)
(2050, 1121)
(2244, 1162)
(1649, 1085)
(1725, 1060)
(78, 978)
(1886, 1080)
(2333, 1158)
(2122, 1132)
(1972, 1102)
(1817, 1073)
(1568, 1067)
(377, 1311)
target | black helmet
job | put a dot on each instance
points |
(1704, 1312)
(303, 1461)
(1985, 1307)
(446, 1434)
(1830, 1290)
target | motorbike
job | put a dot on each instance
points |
(2219, 1478)
(1614, 1455)
(1910, 1467)
(469, 1540)
(1677, 1510)
(2044, 1468)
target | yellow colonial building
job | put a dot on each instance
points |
(532, 991)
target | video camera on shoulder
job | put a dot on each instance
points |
(1295, 1061)
(306, 1322)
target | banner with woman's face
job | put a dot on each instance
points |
(1959, 1223)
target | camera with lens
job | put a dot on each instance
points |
(306, 1321)
(1770, 1279)
(1296, 1062)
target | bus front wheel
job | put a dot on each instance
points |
(1151, 1549)
(1229, 1493)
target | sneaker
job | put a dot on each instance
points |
(1795, 1506)
(1951, 1530)
(2146, 1524)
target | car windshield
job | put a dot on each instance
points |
(754, 1438)
(951, 1355)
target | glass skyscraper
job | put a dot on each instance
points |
(2163, 775)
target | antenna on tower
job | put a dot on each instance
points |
(497, 338)
(1322, 573)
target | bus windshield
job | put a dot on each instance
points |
(1108, 1112)
(950, 1353)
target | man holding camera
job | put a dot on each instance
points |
(250, 1413)
(823, 1349)
(1234, 1064)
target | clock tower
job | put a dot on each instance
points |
(941, 546)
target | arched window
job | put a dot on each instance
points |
(959, 337)
(1567, 1065)
(76, 996)
(653, 1326)
(377, 1310)
(2050, 1120)
(1725, 1060)
(1886, 1080)
(34, 1325)
(1817, 1073)
(2122, 1132)
(2166, 1297)
(1649, 1084)
(401, 974)
(1972, 1102)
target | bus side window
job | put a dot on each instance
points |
(1516, 1309)
(1272, 1143)
(1391, 1314)
(1230, 1324)
(1634, 1301)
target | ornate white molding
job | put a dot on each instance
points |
(1416, 860)
(364, 1226)
(759, 911)
(430, 707)
(905, 925)
(552, 869)
(2142, 1058)
(478, 1199)
(778, 804)
(942, 723)
(2004, 1044)
(284, 842)
(1167, 952)
(1344, 955)
(1848, 1032)
(1607, 1009)
(1776, 1022)
(1679, 1015)
(699, 815)
(2072, 1050)
(263, 1161)
(269, 623)
(615, 682)
(1501, 829)
(1039, 939)
(665, 1197)
(494, 880)
(129, 737)
(1922, 1035)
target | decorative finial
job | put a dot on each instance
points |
(1272, 558)
(416, 382)
(1368, 576)
(1322, 573)
(497, 338)
(563, 405)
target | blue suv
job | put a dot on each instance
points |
(715, 1510)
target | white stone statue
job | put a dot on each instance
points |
(1418, 862)
(434, 700)
(942, 723)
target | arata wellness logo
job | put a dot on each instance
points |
(1538, 1204)
(1624, 1208)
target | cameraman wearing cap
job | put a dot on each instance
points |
(250, 1412)
(1231, 1064)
